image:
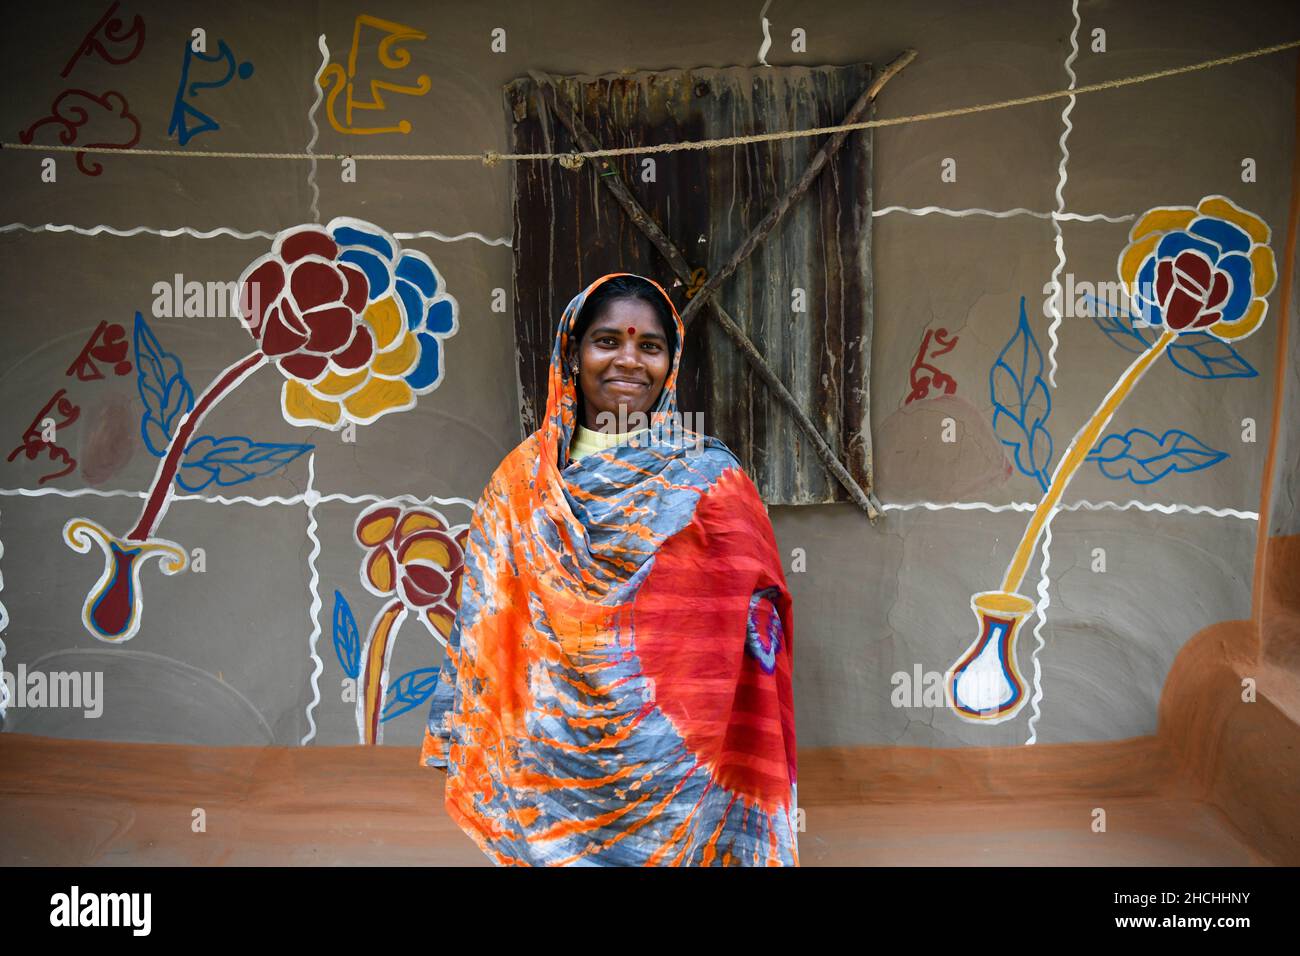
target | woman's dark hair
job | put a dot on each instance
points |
(625, 287)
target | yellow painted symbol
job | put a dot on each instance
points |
(392, 57)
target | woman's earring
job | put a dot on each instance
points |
(573, 367)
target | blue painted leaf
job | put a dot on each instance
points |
(232, 460)
(410, 690)
(160, 380)
(1022, 403)
(1198, 354)
(1143, 458)
(1119, 330)
(347, 640)
(1202, 355)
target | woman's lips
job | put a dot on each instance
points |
(626, 383)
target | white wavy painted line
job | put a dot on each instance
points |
(1092, 217)
(123, 493)
(242, 499)
(315, 130)
(1044, 602)
(1054, 326)
(1160, 507)
(1003, 214)
(960, 213)
(407, 499)
(224, 231)
(213, 233)
(957, 506)
(442, 237)
(1166, 509)
(312, 498)
(70, 493)
(236, 500)
(767, 36)
(4, 623)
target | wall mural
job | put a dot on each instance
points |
(923, 376)
(354, 323)
(356, 327)
(391, 55)
(1198, 278)
(111, 40)
(414, 558)
(184, 112)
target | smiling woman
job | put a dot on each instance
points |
(624, 338)
(617, 688)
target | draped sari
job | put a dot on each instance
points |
(617, 687)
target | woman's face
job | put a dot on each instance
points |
(622, 363)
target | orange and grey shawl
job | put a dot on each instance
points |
(617, 688)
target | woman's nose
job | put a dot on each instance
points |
(628, 356)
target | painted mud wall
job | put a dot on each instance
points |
(256, 648)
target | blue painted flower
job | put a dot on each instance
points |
(1203, 269)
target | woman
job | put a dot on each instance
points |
(618, 684)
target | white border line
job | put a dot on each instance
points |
(4, 623)
(213, 233)
(312, 497)
(1058, 242)
(1062, 179)
(1152, 506)
(224, 231)
(1044, 602)
(237, 500)
(1004, 214)
(765, 23)
(315, 130)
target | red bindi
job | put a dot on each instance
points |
(631, 330)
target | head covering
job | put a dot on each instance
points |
(618, 681)
(563, 392)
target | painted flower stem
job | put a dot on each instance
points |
(985, 685)
(374, 678)
(160, 492)
(1075, 455)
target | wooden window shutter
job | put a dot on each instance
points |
(568, 230)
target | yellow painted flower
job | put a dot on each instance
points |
(337, 395)
(412, 554)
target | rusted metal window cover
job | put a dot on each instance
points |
(568, 231)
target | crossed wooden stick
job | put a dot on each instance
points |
(553, 97)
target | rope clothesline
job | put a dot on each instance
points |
(575, 159)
